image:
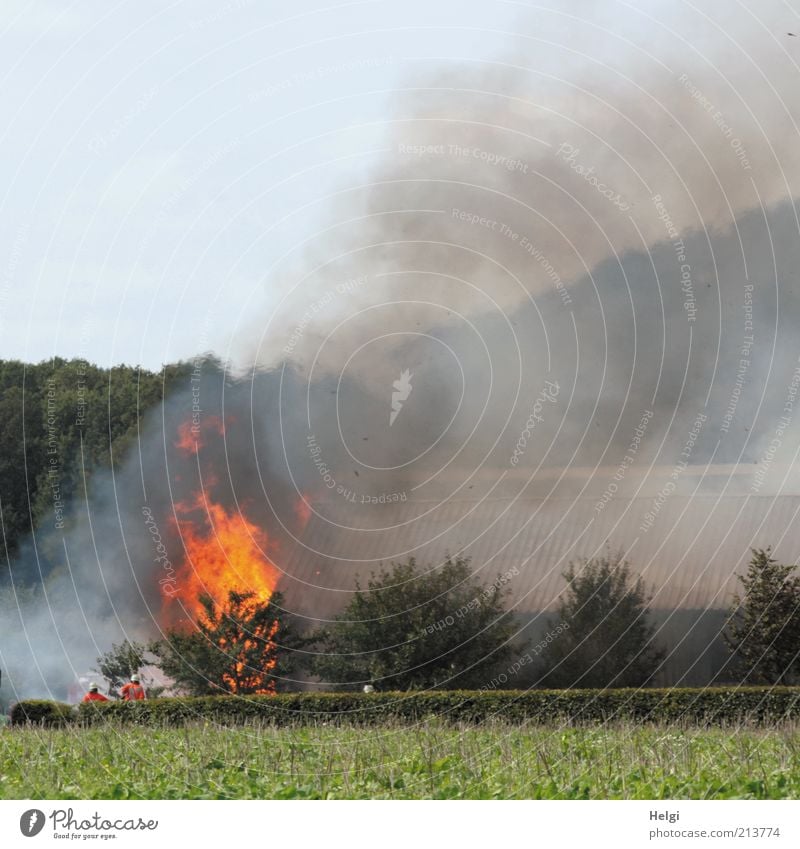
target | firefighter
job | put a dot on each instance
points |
(134, 691)
(93, 695)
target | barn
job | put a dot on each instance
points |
(687, 534)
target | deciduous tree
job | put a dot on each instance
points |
(763, 631)
(411, 628)
(608, 641)
(244, 646)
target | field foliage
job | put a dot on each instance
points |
(430, 760)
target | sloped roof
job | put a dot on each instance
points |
(688, 557)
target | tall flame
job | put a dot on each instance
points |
(225, 551)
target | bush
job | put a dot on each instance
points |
(415, 628)
(604, 639)
(763, 631)
(245, 646)
(42, 712)
(705, 706)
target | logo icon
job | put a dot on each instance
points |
(402, 389)
(31, 822)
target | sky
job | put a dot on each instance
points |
(158, 159)
(167, 168)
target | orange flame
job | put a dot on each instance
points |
(224, 551)
(302, 511)
(192, 435)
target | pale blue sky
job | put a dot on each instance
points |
(151, 146)
(157, 160)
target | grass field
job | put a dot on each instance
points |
(428, 761)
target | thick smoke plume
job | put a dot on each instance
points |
(593, 231)
(620, 220)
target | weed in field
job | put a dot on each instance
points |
(432, 760)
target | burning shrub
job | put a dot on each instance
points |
(244, 647)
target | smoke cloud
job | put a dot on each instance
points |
(587, 244)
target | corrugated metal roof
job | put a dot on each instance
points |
(688, 557)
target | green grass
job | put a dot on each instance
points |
(428, 761)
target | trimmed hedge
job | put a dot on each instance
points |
(43, 712)
(705, 706)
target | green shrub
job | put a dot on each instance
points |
(714, 706)
(42, 712)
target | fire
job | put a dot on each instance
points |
(192, 435)
(302, 511)
(225, 551)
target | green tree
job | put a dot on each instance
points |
(123, 660)
(604, 639)
(242, 647)
(62, 420)
(763, 631)
(413, 629)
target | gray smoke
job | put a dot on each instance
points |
(618, 218)
(609, 208)
(115, 571)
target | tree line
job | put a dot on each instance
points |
(410, 628)
(61, 420)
